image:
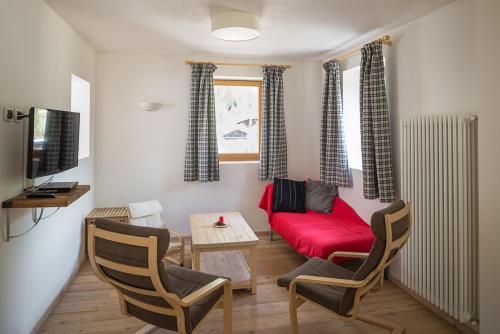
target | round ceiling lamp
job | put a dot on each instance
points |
(235, 26)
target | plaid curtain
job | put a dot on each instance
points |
(273, 151)
(378, 178)
(202, 158)
(333, 159)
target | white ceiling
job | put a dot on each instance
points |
(298, 29)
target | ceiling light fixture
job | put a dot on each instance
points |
(235, 26)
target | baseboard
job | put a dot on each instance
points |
(464, 328)
(48, 311)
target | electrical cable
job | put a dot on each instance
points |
(35, 188)
(42, 218)
(35, 222)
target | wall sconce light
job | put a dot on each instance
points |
(149, 106)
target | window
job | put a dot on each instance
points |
(80, 102)
(238, 117)
(352, 125)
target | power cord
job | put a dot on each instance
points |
(57, 209)
(36, 220)
(35, 188)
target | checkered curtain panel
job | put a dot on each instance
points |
(202, 158)
(378, 177)
(333, 158)
(273, 150)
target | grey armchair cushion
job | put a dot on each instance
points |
(182, 282)
(370, 263)
(315, 267)
(377, 252)
(398, 228)
(127, 254)
(178, 280)
(328, 296)
(337, 299)
(320, 196)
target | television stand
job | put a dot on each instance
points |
(21, 201)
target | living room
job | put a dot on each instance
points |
(152, 84)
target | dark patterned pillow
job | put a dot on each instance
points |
(289, 196)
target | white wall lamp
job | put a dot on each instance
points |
(149, 106)
(235, 26)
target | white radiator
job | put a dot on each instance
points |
(439, 178)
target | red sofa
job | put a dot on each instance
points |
(318, 234)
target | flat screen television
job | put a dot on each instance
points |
(52, 141)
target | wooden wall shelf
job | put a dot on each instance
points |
(62, 200)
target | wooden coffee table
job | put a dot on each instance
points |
(218, 251)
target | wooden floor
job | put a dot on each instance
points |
(91, 306)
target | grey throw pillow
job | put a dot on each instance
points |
(320, 196)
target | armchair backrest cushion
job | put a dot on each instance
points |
(128, 254)
(399, 228)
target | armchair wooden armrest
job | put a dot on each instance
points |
(355, 255)
(327, 281)
(204, 291)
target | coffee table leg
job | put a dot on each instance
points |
(253, 271)
(196, 259)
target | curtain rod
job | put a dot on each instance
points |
(384, 40)
(235, 64)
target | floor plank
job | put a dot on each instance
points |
(91, 306)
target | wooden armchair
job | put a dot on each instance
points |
(148, 214)
(340, 290)
(169, 297)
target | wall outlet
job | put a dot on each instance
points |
(8, 114)
(18, 115)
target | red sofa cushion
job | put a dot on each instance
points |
(318, 234)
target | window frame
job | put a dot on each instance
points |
(85, 110)
(347, 143)
(345, 65)
(232, 157)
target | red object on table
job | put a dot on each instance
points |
(221, 220)
(319, 234)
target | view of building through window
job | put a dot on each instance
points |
(237, 112)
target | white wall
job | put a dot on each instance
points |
(140, 154)
(39, 54)
(488, 54)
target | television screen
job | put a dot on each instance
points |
(52, 141)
